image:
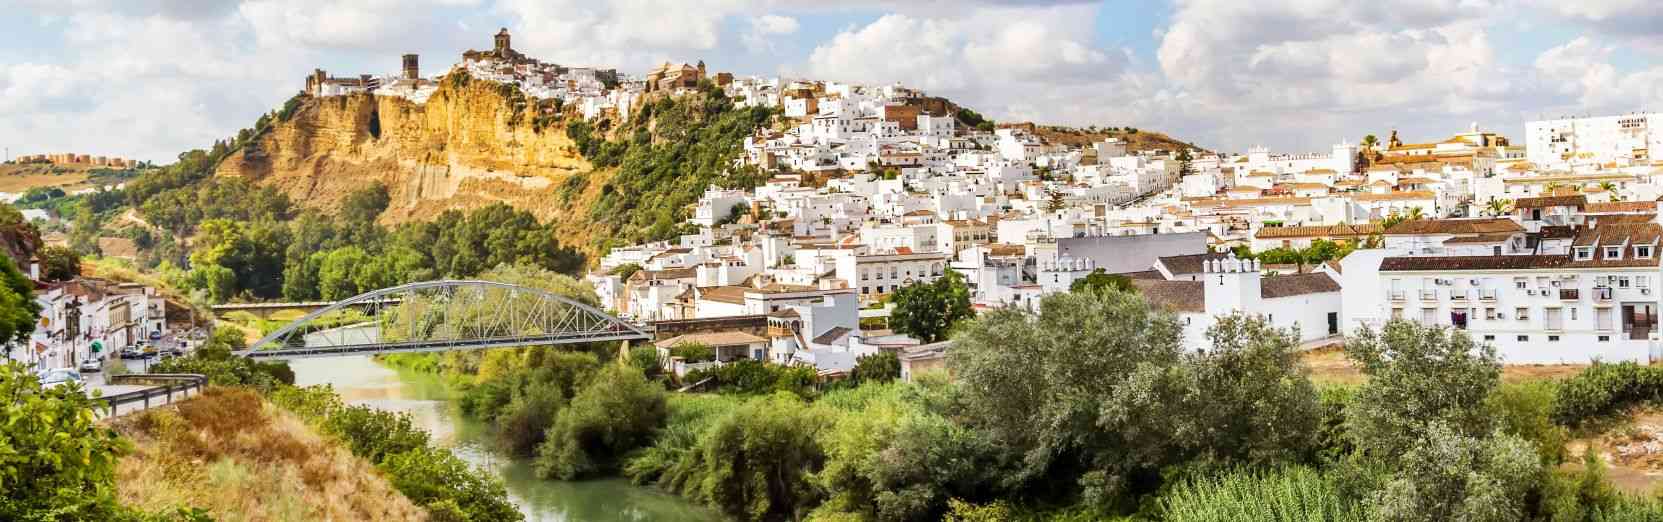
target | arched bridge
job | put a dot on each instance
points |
(441, 316)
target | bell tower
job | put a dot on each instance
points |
(412, 69)
(502, 42)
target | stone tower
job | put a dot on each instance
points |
(502, 42)
(412, 70)
(701, 69)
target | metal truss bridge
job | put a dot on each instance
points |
(442, 316)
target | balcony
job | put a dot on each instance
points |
(1459, 295)
(1429, 295)
(1570, 294)
(1397, 295)
(1602, 293)
(1488, 294)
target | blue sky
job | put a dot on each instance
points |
(149, 79)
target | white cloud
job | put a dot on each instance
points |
(628, 34)
(767, 27)
(1581, 69)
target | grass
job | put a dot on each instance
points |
(229, 452)
(1329, 367)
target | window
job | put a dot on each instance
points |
(1604, 338)
(1429, 316)
(1397, 313)
(1489, 314)
(1602, 318)
(1553, 338)
(1521, 313)
(1622, 282)
(1584, 253)
(1642, 281)
(1520, 283)
(1642, 252)
(1573, 314)
(1555, 318)
(1489, 337)
(1613, 252)
(864, 275)
(1523, 338)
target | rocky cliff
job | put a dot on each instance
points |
(471, 144)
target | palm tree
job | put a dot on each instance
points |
(1369, 141)
(1414, 214)
(1608, 186)
(1498, 207)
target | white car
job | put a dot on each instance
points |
(58, 377)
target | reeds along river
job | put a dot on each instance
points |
(360, 380)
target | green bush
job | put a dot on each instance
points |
(667, 460)
(375, 434)
(1283, 494)
(56, 461)
(757, 463)
(443, 483)
(614, 415)
(1526, 410)
(753, 377)
(1604, 390)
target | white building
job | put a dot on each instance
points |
(1566, 143)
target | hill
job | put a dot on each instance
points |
(1137, 140)
(17, 178)
(475, 143)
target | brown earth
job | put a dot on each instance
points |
(1141, 141)
(19, 178)
(465, 148)
(1329, 366)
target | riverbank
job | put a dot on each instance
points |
(238, 457)
(431, 405)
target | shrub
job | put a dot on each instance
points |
(441, 482)
(756, 377)
(1604, 390)
(877, 367)
(56, 461)
(375, 434)
(1526, 410)
(757, 463)
(1283, 494)
(612, 416)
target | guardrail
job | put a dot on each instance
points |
(167, 385)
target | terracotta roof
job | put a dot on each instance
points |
(1481, 238)
(1578, 201)
(832, 335)
(1454, 226)
(1187, 264)
(723, 294)
(1317, 231)
(668, 273)
(1296, 284)
(1612, 219)
(1176, 296)
(1621, 206)
(712, 339)
(1534, 262)
(1146, 275)
(1395, 196)
(1558, 231)
(1619, 233)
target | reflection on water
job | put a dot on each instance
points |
(360, 380)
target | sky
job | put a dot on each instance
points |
(148, 79)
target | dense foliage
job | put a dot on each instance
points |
(433, 478)
(18, 309)
(669, 151)
(927, 311)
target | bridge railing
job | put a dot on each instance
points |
(166, 386)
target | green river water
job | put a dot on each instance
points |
(360, 380)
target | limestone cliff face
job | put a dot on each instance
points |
(465, 148)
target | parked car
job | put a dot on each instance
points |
(149, 349)
(92, 366)
(58, 377)
(132, 352)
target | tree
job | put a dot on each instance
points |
(1497, 207)
(58, 462)
(1450, 476)
(928, 311)
(757, 463)
(1057, 200)
(1098, 281)
(877, 367)
(1418, 376)
(18, 308)
(1185, 162)
(615, 414)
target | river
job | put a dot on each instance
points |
(361, 380)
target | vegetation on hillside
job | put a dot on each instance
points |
(665, 157)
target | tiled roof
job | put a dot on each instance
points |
(1621, 206)
(1396, 196)
(1317, 231)
(1189, 264)
(723, 294)
(832, 335)
(1176, 296)
(1296, 284)
(1536, 262)
(1501, 237)
(668, 273)
(712, 339)
(1578, 201)
(1454, 226)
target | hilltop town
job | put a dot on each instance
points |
(1533, 245)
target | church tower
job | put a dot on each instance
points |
(412, 71)
(502, 42)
